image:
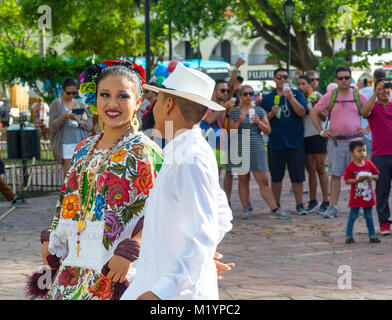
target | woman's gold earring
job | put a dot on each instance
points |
(135, 123)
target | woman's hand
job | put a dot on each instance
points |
(45, 252)
(119, 268)
(255, 119)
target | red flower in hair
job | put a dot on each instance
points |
(141, 70)
(138, 68)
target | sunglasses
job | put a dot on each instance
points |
(343, 78)
(315, 79)
(224, 90)
(247, 93)
(68, 93)
(282, 77)
(145, 91)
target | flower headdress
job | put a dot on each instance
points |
(88, 79)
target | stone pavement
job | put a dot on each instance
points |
(275, 259)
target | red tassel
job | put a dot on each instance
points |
(119, 288)
(33, 291)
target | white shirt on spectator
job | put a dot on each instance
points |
(186, 216)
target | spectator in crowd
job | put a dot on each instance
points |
(286, 141)
(147, 116)
(6, 190)
(251, 153)
(5, 112)
(216, 120)
(314, 78)
(41, 116)
(316, 151)
(69, 123)
(378, 112)
(359, 174)
(368, 92)
(343, 106)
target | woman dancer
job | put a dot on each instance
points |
(97, 223)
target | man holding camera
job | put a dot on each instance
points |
(286, 141)
(378, 111)
(343, 106)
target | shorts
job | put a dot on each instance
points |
(68, 150)
(295, 160)
(368, 143)
(338, 157)
(315, 144)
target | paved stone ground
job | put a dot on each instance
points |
(275, 259)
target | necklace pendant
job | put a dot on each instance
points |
(81, 225)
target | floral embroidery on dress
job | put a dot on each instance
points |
(121, 188)
(70, 206)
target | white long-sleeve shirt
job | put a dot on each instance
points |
(186, 216)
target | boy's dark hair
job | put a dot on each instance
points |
(342, 69)
(278, 70)
(191, 111)
(356, 143)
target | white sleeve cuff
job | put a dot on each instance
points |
(164, 288)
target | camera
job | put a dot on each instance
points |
(388, 85)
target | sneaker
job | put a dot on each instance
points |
(374, 240)
(18, 200)
(279, 214)
(385, 228)
(331, 213)
(312, 205)
(350, 240)
(301, 210)
(323, 208)
(246, 214)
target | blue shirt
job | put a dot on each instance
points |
(288, 131)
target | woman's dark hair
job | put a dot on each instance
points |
(304, 77)
(123, 71)
(69, 82)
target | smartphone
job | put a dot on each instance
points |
(251, 114)
(242, 55)
(387, 84)
(286, 85)
(77, 110)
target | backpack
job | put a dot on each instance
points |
(333, 101)
(335, 95)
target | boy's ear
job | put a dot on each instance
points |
(169, 105)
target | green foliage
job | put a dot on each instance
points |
(327, 69)
(18, 66)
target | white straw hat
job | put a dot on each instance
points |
(189, 84)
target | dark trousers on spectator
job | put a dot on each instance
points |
(6, 190)
(383, 186)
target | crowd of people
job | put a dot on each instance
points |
(122, 193)
(305, 131)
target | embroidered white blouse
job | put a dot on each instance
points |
(186, 216)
